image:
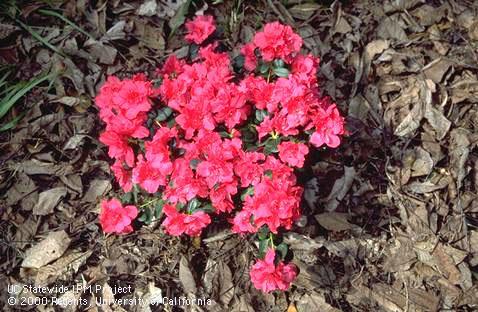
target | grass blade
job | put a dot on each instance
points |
(12, 123)
(38, 37)
(66, 20)
(14, 95)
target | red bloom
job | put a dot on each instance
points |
(230, 106)
(157, 150)
(183, 185)
(306, 65)
(221, 197)
(267, 276)
(149, 177)
(260, 92)
(293, 153)
(177, 223)
(277, 41)
(200, 28)
(172, 66)
(328, 126)
(118, 147)
(250, 59)
(114, 218)
(242, 223)
(248, 168)
(275, 203)
(122, 175)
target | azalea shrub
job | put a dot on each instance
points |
(212, 136)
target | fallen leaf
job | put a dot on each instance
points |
(340, 188)
(148, 8)
(389, 28)
(101, 52)
(61, 269)
(47, 250)
(304, 11)
(48, 200)
(334, 221)
(314, 302)
(98, 189)
(186, 276)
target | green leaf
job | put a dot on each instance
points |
(127, 197)
(278, 63)
(248, 135)
(282, 249)
(263, 244)
(193, 51)
(264, 68)
(281, 72)
(248, 191)
(12, 123)
(194, 163)
(208, 208)
(193, 205)
(178, 19)
(38, 37)
(238, 62)
(158, 208)
(263, 233)
(164, 113)
(171, 123)
(261, 114)
(271, 145)
(146, 216)
(135, 193)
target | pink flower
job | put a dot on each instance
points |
(177, 223)
(221, 197)
(306, 65)
(250, 59)
(157, 150)
(328, 126)
(277, 41)
(267, 276)
(293, 153)
(118, 147)
(247, 167)
(122, 175)
(183, 186)
(149, 177)
(114, 218)
(275, 203)
(242, 223)
(200, 28)
(172, 66)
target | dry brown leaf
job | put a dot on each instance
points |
(148, 8)
(446, 265)
(61, 269)
(98, 189)
(304, 11)
(340, 188)
(334, 221)
(47, 250)
(314, 302)
(390, 28)
(186, 276)
(436, 69)
(48, 200)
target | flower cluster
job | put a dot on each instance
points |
(212, 141)
(267, 276)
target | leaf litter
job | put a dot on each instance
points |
(391, 217)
